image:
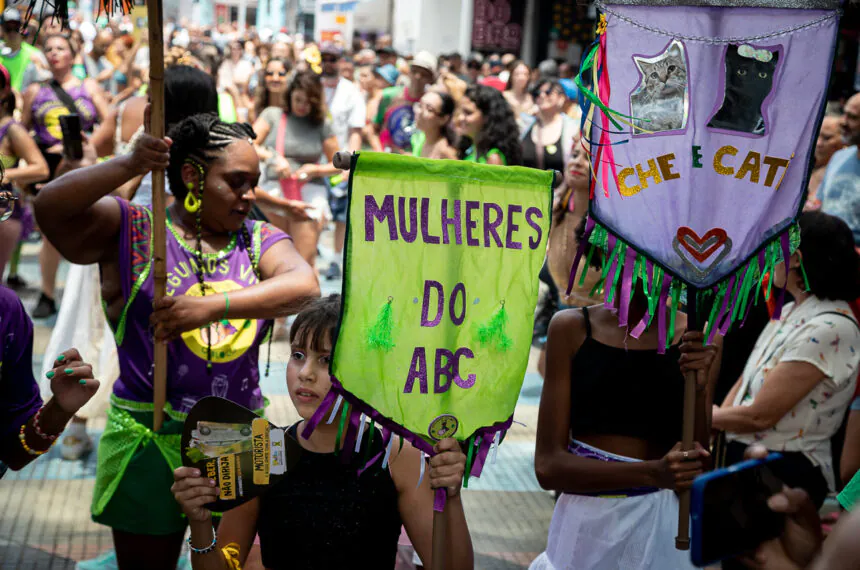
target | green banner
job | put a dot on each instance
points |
(440, 288)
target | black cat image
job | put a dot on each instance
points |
(749, 80)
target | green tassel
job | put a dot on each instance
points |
(343, 417)
(619, 252)
(673, 312)
(805, 278)
(715, 308)
(584, 273)
(471, 444)
(656, 289)
(380, 335)
(743, 294)
(493, 332)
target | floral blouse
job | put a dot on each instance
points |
(825, 334)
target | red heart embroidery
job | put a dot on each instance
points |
(698, 246)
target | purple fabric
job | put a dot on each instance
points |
(19, 392)
(47, 110)
(592, 453)
(589, 227)
(417, 442)
(626, 286)
(440, 497)
(235, 371)
(319, 414)
(699, 198)
(350, 436)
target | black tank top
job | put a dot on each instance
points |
(324, 515)
(554, 160)
(636, 393)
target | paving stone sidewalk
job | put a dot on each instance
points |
(45, 508)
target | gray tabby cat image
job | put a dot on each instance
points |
(660, 101)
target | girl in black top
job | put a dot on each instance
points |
(322, 514)
(610, 416)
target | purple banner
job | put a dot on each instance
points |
(722, 107)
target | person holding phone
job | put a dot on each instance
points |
(44, 104)
(800, 378)
(608, 439)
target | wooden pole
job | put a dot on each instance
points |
(682, 541)
(156, 102)
(440, 534)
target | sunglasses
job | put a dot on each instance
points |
(7, 205)
(545, 92)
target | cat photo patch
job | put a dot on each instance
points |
(443, 426)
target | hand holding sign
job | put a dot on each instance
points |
(229, 455)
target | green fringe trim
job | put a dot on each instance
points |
(493, 331)
(381, 334)
(469, 457)
(747, 286)
(343, 415)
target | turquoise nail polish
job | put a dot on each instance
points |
(61, 358)
(50, 374)
(69, 371)
(82, 381)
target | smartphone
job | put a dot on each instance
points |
(730, 513)
(73, 140)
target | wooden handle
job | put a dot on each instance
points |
(682, 541)
(342, 160)
(159, 230)
(440, 532)
(688, 428)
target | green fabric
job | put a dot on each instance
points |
(491, 275)
(79, 71)
(134, 474)
(473, 156)
(226, 108)
(851, 493)
(417, 141)
(18, 63)
(389, 94)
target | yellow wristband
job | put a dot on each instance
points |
(23, 439)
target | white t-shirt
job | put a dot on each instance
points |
(347, 110)
(824, 334)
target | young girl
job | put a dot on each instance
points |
(323, 514)
(610, 416)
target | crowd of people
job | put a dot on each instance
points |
(253, 125)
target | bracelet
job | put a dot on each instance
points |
(225, 321)
(206, 550)
(38, 429)
(23, 439)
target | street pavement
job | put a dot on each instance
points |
(45, 508)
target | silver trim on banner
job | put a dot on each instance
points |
(795, 4)
(711, 40)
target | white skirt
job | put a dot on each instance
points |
(81, 324)
(596, 533)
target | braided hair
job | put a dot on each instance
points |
(199, 140)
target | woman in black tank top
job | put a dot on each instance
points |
(609, 428)
(326, 514)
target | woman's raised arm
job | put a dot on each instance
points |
(73, 211)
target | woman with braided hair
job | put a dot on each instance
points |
(227, 278)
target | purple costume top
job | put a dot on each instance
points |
(47, 110)
(235, 347)
(19, 392)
